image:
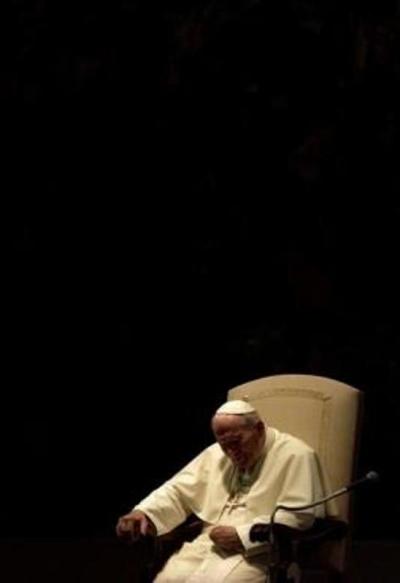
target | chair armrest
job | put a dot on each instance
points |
(296, 548)
(292, 543)
(323, 529)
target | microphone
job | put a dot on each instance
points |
(369, 477)
(265, 532)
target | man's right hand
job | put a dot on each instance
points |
(134, 525)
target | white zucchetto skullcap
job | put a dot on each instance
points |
(236, 407)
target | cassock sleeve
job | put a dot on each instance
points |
(301, 485)
(170, 504)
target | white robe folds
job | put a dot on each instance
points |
(210, 487)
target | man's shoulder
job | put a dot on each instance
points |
(214, 450)
(211, 452)
(291, 444)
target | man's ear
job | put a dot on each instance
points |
(260, 427)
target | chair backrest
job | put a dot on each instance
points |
(324, 413)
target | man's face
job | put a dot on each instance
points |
(242, 444)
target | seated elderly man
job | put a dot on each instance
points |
(230, 486)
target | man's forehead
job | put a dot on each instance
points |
(228, 422)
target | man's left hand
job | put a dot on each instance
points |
(226, 538)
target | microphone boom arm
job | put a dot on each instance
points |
(371, 477)
(302, 507)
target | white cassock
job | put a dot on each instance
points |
(213, 489)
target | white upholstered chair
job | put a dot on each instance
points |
(326, 414)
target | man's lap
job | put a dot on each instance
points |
(199, 562)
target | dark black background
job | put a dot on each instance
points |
(194, 195)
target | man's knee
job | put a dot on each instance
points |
(173, 572)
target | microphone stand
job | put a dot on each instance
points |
(371, 477)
